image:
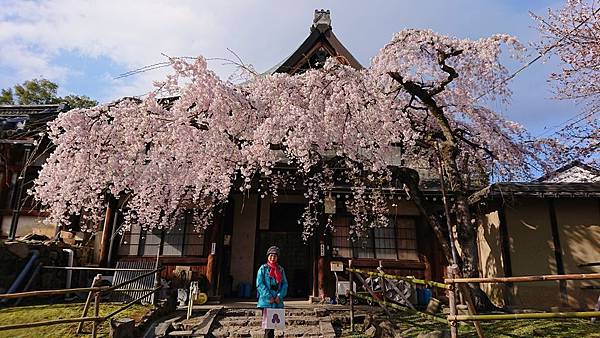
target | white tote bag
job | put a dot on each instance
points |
(273, 319)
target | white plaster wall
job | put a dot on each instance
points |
(532, 252)
(579, 231)
(26, 225)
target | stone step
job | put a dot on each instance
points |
(245, 331)
(258, 312)
(301, 320)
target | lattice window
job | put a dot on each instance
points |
(180, 240)
(174, 239)
(341, 244)
(151, 242)
(406, 238)
(194, 242)
(385, 242)
(131, 242)
(397, 241)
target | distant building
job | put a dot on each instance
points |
(21, 159)
(549, 226)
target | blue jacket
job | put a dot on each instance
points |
(263, 287)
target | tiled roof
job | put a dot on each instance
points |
(322, 35)
(23, 110)
(537, 189)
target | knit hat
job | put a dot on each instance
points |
(273, 250)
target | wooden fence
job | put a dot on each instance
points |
(94, 292)
(452, 285)
(456, 283)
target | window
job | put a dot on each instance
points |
(151, 242)
(342, 246)
(173, 240)
(406, 239)
(131, 241)
(180, 240)
(397, 241)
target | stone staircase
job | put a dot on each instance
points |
(246, 322)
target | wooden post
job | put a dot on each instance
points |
(560, 267)
(107, 230)
(87, 303)
(383, 289)
(156, 279)
(452, 305)
(321, 269)
(350, 296)
(211, 264)
(96, 314)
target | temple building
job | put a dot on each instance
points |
(230, 252)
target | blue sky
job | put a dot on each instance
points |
(84, 45)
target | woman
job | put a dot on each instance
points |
(271, 284)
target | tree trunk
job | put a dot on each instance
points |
(449, 153)
(465, 229)
(411, 181)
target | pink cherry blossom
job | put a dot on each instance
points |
(334, 127)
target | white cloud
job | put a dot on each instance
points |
(27, 64)
(34, 35)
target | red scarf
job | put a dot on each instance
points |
(275, 272)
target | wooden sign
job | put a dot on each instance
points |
(329, 204)
(336, 266)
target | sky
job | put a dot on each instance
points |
(85, 45)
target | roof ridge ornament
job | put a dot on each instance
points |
(321, 21)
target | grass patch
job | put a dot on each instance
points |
(36, 313)
(412, 325)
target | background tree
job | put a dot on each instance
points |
(42, 91)
(571, 33)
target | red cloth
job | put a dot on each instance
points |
(275, 272)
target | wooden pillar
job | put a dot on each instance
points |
(351, 296)
(505, 254)
(111, 205)
(560, 269)
(321, 273)
(211, 265)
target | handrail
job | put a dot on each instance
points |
(97, 291)
(128, 305)
(539, 315)
(583, 276)
(78, 319)
(404, 278)
(51, 292)
(111, 288)
(89, 268)
(50, 322)
(454, 318)
(101, 289)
